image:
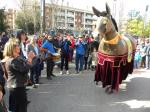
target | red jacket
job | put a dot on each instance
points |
(72, 43)
(39, 42)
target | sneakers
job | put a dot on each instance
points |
(61, 72)
(53, 75)
(77, 72)
(67, 72)
(35, 86)
(81, 72)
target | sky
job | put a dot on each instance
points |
(138, 5)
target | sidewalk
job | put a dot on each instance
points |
(56, 70)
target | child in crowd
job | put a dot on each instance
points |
(137, 58)
(94, 59)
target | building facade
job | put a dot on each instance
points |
(10, 18)
(60, 18)
(68, 18)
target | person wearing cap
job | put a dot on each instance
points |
(80, 52)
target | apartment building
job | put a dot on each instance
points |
(68, 18)
(10, 18)
(60, 17)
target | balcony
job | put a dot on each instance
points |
(70, 28)
(89, 17)
(60, 14)
(60, 20)
(60, 26)
(88, 23)
(70, 15)
(70, 21)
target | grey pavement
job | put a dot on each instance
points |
(78, 93)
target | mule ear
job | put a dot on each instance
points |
(108, 9)
(96, 12)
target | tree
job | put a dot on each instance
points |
(3, 24)
(28, 18)
(135, 27)
(27, 23)
(147, 30)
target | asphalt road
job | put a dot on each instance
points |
(78, 93)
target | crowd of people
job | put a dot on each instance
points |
(142, 54)
(23, 59)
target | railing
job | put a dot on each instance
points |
(88, 17)
(60, 20)
(88, 23)
(70, 15)
(70, 21)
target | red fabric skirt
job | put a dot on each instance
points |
(111, 70)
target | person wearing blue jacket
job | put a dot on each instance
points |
(48, 44)
(80, 52)
(64, 44)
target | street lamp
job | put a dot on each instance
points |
(42, 16)
(114, 8)
(145, 19)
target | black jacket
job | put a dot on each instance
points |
(2, 79)
(17, 69)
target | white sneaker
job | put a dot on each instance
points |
(61, 72)
(67, 72)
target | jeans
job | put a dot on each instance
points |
(35, 72)
(147, 61)
(64, 60)
(85, 62)
(136, 64)
(79, 58)
(71, 51)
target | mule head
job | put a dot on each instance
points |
(106, 23)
